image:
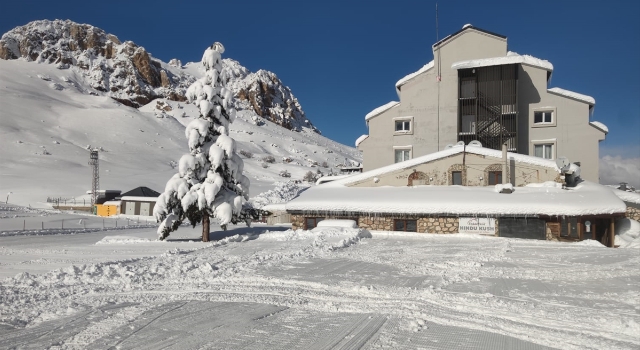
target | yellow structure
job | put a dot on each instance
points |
(107, 210)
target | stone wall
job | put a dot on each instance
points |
(297, 222)
(633, 213)
(438, 225)
(381, 223)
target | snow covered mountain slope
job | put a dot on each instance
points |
(129, 74)
(48, 118)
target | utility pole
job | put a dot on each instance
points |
(95, 183)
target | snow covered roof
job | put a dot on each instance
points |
(141, 191)
(585, 199)
(424, 68)
(274, 207)
(330, 178)
(522, 158)
(510, 58)
(381, 109)
(574, 95)
(626, 196)
(600, 126)
(360, 139)
(138, 199)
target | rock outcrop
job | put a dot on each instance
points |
(125, 71)
(263, 93)
(129, 74)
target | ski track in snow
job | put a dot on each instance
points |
(335, 288)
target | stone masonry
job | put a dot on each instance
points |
(381, 223)
(632, 213)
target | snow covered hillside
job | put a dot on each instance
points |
(129, 74)
(49, 117)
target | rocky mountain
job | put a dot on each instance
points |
(129, 74)
(263, 93)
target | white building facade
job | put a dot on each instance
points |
(475, 89)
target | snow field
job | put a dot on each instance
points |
(334, 287)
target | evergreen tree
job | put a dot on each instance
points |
(210, 182)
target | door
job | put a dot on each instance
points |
(130, 208)
(144, 209)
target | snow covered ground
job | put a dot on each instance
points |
(269, 287)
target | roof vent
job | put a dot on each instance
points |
(466, 25)
(475, 143)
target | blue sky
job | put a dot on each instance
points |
(342, 58)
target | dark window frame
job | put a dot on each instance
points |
(496, 176)
(403, 123)
(543, 116)
(405, 224)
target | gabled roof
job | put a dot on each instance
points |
(467, 27)
(141, 192)
(456, 149)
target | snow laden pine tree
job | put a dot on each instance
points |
(210, 182)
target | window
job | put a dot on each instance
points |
(543, 117)
(402, 155)
(544, 150)
(405, 225)
(468, 124)
(495, 177)
(456, 178)
(310, 223)
(468, 88)
(403, 125)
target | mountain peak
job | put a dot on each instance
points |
(129, 74)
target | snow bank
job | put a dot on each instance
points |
(566, 93)
(404, 80)
(627, 233)
(381, 109)
(338, 223)
(323, 238)
(511, 58)
(125, 240)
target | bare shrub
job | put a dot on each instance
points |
(245, 153)
(285, 173)
(269, 159)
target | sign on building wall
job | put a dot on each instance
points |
(477, 225)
